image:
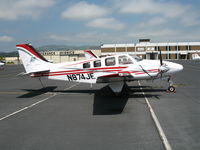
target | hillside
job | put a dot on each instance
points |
(67, 47)
(51, 48)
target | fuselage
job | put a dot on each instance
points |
(124, 67)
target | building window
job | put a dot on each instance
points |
(97, 63)
(110, 61)
(151, 48)
(172, 48)
(86, 65)
(162, 48)
(124, 60)
(140, 49)
(130, 49)
(120, 49)
(105, 50)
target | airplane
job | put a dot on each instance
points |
(195, 56)
(1, 65)
(115, 70)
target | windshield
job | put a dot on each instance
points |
(124, 60)
(135, 57)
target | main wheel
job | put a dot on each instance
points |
(171, 89)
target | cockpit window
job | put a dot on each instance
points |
(136, 57)
(124, 60)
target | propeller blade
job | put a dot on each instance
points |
(164, 68)
(161, 62)
(145, 71)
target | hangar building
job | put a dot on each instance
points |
(148, 50)
(66, 55)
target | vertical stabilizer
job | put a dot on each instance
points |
(89, 54)
(31, 59)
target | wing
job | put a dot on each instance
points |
(115, 77)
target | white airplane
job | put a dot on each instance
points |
(1, 65)
(114, 69)
(195, 57)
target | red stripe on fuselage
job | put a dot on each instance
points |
(103, 69)
(108, 68)
(42, 75)
(65, 73)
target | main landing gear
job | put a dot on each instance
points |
(171, 87)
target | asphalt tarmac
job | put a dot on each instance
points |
(64, 115)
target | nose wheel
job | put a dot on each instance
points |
(171, 87)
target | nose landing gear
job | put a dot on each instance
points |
(171, 87)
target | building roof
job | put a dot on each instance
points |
(151, 44)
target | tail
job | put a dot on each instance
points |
(32, 60)
(89, 54)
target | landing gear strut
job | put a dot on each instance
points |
(41, 83)
(171, 87)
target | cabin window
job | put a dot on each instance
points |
(86, 65)
(97, 63)
(124, 60)
(110, 61)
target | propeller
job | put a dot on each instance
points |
(161, 61)
(145, 71)
(163, 67)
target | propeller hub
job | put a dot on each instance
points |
(164, 68)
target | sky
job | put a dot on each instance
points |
(96, 22)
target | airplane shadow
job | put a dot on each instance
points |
(105, 101)
(32, 93)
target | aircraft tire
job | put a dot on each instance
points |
(171, 89)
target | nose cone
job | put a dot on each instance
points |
(174, 67)
(179, 67)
